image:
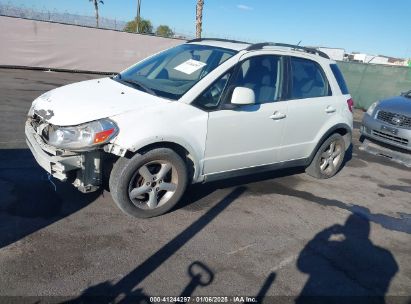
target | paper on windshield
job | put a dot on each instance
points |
(190, 66)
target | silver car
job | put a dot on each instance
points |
(389, 121)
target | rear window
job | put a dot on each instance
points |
(340, 79)
(308, 79)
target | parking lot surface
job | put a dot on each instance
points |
(277, 234)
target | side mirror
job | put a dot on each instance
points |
(243, 96)
(406, 93)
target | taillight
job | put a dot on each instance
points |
(350, 104)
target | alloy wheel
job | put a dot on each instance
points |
(153, 184)
(330, 158)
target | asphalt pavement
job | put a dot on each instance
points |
(281, 234)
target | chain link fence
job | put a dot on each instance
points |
(76, 18)
(52, 15)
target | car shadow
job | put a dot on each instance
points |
(195, 193)
(29, 201)
(344, 266)
(347, 157)
(193, 198)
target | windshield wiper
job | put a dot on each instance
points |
(135, 83)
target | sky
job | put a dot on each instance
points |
(377, 27)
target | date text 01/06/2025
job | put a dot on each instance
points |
(204, 299)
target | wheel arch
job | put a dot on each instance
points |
(343, 129)
(186, 152)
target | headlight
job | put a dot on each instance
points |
(83, 136)
(372, 108)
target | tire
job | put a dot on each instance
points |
(148, 184)
(328, 159)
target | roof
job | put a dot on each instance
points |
(240, 45)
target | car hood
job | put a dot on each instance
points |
(91, 100)
(398, 104)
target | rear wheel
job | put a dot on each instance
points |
(328, 159)
(148, 184)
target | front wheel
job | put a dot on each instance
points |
(148, 184)
(328, 159)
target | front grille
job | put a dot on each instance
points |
(394, 119)
(396, 139)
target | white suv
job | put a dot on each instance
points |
(204, 110)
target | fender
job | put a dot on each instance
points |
(194, 154)
(327, 134)
(165, 123)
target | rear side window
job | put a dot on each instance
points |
(308, 79)
(340, 79)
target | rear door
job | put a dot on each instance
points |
(310, 106)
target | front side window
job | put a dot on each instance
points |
(263, 75)
(308, 79)
(210, 98)
(173, 72)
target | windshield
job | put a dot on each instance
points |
(173, 72)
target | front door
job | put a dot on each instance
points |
(247, 136)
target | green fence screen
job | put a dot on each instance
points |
(370, 82)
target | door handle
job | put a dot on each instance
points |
(330, 109)
(278, 115)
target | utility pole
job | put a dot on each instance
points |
(199, 18)
(138, 15)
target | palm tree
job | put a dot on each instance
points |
(199, 18)
(96, 3)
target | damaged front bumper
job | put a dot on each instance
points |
(84, 168)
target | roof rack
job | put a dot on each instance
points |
(217, 39)
(258, 46)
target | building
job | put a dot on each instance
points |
(375, 59)
(365, 58)
(339, 54)
(336, 54)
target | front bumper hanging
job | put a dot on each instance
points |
(84, 167)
